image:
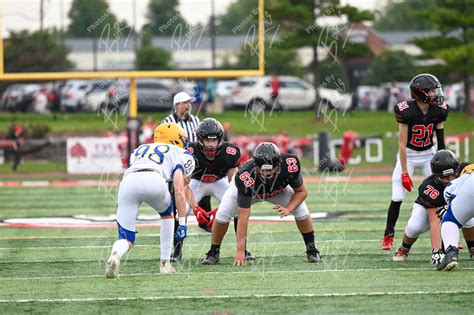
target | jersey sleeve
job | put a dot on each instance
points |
(244, 183)
(243, 200)
(188, 164)
(293, 169)
(232, 155)
(400, 110)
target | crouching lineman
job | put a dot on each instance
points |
(268, 176)
(460, 196)
(216, 163)
(152, 166)
(444, 167)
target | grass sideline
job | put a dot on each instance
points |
(61, 270)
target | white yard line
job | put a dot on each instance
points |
(259, 296)
(227, 273)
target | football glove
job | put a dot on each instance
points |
(181, 232)
(201, 215)
(436, 256)
(406, 181)
(212, 218)
(442, 211)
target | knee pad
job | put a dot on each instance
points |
(168, 210)
(302, 218)
(126, 234)
(449, 217)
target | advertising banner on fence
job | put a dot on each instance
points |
(95, 155)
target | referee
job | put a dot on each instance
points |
(182, 105)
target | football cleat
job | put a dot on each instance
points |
(249, 256)
(112, 266)
(313, 256)
(401, 254)
(450, 260)
(176, 257)
(165, 267)
(387, 242)
(211, 259)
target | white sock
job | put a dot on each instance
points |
(120, 247)
(450, 234)
(166, 238)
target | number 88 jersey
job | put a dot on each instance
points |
(162, 158)
(420, 126)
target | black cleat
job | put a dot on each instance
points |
(176, 257)
(249, 256)
(450, 260)
(211, 259)
(314, 256)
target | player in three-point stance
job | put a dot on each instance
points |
(268, 176)
(152, 166)
(417, 119)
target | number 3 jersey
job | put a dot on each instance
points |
(250, 183)
(420, 126)
(162, 158)
(211, 171)
(430, 193)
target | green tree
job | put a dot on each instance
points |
(403, 16)
(39, 51)
(88, 18)
(239, 17)
(163, 18)
(392, 66)
(152, 58)
(454, 19)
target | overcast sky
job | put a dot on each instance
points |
(24, 14)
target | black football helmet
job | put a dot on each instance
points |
(210, 128)
(422, 84)
(267, 159)
(444, 164)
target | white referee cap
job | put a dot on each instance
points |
(182, 97)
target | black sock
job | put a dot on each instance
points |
(175, 242)
(215, 249)
(405, 245)
(235, 224)
(392, 217)
(470, 244)
(309, 241)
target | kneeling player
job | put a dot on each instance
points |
(152, 166)
(268, 176)
(460, 196)
(444, 166)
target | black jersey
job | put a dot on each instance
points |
(251, 185)
(210, 171)
(430, 193)
(420, 126)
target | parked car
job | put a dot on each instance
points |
(20, 97)
(224, 89)
(73, 95)
(294, 94)
(152, 94)
(454, 95)
(97, 92)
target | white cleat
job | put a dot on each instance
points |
(112, 266)
(165, 267)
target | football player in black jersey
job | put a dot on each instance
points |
(417, 119)
(444, 166)
(268, 176)
(216, 163)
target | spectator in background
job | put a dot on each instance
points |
(395, 93)
(211, 94)
(148, 130)
(275, 83)
(198, 99)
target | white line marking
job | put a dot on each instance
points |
(209, 297)
(187, 274)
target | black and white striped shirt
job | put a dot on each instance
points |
(189, 125)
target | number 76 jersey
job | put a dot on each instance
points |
(162, 158)
(420, 126)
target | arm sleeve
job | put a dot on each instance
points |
(297, 181)
(243, 201)
(440, 138)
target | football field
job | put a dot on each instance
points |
(60, 270)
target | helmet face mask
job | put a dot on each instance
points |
(267, 159)
(426, 88)
(210, 129)
(171, 133)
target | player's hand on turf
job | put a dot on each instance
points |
(442, 211)
(181, 232)
(282, 211)
(239, 259)
(201, 215)
(406, 181)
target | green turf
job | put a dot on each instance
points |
(61, 270)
